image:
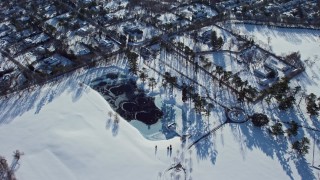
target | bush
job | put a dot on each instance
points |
(259, 119)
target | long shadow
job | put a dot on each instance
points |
(304, 168)
(260, 139)
(36, 97)
(78, 93)
(115, 128)
(42, 101)
(14, 165)
(280, 147)
(168, 117)
(204, 148)
(16, 105)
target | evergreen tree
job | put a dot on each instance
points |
(312, 107)
(214, 38)
(286, 103)
(259, 119)
(215, 41)
(301, 147)
(133, 61)
(184, 94)
(143, 76)
(293, 129)
(152, 83)
(276, 129)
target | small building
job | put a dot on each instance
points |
(270, 67)
(105, 44)
(188, 15)
(48, 65)
(80, 50)
(82, 31)
(264, 82)
(198, 15)
(262, 72)
(4, 27)
(133, 32)
(275, 64)
(206, 37)
(145, 52)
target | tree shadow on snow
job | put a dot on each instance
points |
(204, 148)
(277, 146)
(115, 129)
(36, 97)
(257, 138)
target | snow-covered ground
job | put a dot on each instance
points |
(283, 41)
(65, 131)
(114, 5)
(167, 18)
(196, 12)
(148, 31)
(202, 39)
(5, 63)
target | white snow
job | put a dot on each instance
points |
(65, 131)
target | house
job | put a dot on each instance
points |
(107, 17)
(48, 65)
(206, 37)
(145, 52)
(5, 81)
(4, 27)
(105, 44)
(263, 82)
(133, 32)
(79, 49)
(275, 64)
(270, 66)
(82, 31)
(286, 69)
(188, 15)
(86, 1)
(199, 15)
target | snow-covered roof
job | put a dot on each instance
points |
(79, 49)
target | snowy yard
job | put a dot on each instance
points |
(136, 31)
(196, 12)
(200, 40)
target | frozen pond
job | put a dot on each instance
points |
(156, 117)
(126, 99)
(166, 128)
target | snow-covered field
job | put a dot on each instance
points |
(284, 40)
(65, 131)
